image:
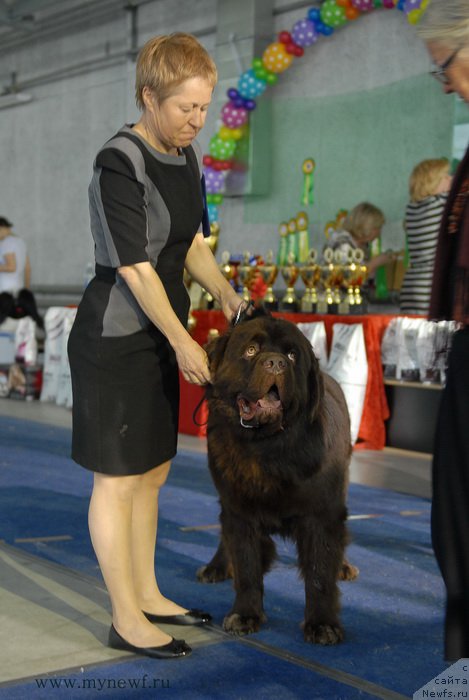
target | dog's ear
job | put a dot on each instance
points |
(316, 387)
(215, 349)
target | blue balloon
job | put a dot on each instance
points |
(314, 14)
(212, 211)
(250, 105)
(327, 31)
(249, 86)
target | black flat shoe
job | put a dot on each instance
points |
(191, 617)
(175, 648)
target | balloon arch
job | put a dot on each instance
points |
(228, 142)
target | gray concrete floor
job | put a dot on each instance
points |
(398, 470)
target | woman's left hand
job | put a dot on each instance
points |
(230, 306)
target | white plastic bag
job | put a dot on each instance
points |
(408, 363)
(64, 384)
(25, 341)
(390, 348)
(53, 351)
(348, 365)
(316, 334)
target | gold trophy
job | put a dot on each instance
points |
(269, 272)
(359, 280)
(246, 274)
(290, 274)
(347, 304)
(326, 304)
(338, 278)
(310, 276)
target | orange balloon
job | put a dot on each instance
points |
(276, 59)
(352, 13)
(343, 3)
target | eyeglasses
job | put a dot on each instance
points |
(439, 72)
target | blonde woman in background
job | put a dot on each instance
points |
(429, 184)
(362, 225)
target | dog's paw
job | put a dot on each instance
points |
(239, 625)
(211, 574)
(323, 634)
(348, 572)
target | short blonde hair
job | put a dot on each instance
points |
(426, 177)
(363, 218)
(446, 22)
(166, 61)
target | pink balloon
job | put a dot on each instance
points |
(234, 117)
(363, 5)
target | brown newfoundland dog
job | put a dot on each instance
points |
(279, 450)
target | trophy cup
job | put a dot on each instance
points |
(326, 304)
(246, 273)
(269, 272)
(359, 280)
(290, 275)
(338, 277)
(310, 276)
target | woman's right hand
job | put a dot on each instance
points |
(193, 362)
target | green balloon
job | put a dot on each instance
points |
(271, 78)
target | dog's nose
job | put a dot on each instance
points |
(275, 364)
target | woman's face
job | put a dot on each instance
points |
(444, 184)
(178, 119)
(457, 73)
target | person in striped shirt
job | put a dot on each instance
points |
(429, 184)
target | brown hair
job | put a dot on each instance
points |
(426, 176)
(362, 220)
(166, 61)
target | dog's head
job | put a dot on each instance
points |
(264, 375)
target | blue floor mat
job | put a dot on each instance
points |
(393, 613)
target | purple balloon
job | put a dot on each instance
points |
(232, 93)
(410, 5)
(214, 180)
(250, 105)
(304, 33)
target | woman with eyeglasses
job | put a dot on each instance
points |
(445, 30)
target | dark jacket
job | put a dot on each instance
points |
(450, 291)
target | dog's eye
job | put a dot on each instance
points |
(292, 355)
(251, 350)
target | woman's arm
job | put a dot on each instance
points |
(150, 293)
(27, 273)
(203, 268)
(9, 263)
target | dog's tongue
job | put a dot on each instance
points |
(248, 409)
(270, 400)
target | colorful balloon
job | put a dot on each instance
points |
(214, 180)
(284, 37)
(304, 33)
(363, 5)
(212, 211)
(233, 116)
(222, 149)
(352, 13)
(249, 86)
(276, 58)
(410, 5)
(332, 15)
(314, 14)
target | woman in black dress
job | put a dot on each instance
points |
(130, 337)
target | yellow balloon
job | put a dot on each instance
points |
(225, 133)
(276, 59)
(236, 134)
(414, 16)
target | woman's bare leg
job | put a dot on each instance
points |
(144, 529)
(110, 523)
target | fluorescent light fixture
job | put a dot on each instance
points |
(12, 99)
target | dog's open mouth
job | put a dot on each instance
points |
(267, 409)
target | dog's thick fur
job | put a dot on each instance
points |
(279, 450)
